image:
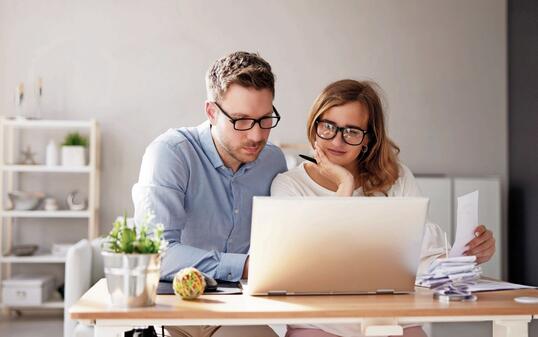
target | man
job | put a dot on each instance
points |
(199, 181)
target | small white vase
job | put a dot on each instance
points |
(52, 154)
(73, 155)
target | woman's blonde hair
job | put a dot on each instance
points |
(379, 166)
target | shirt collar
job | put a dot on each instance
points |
(206, 141)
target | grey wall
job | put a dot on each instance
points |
(138, 67)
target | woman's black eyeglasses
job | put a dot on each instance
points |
(350, 135)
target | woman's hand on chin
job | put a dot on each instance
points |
(337, 174)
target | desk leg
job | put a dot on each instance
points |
(381, 327)
(110, 331)
(519, 328)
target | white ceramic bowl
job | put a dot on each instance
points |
(25, 201)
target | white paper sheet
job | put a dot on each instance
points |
(467, 221)
(491, 285)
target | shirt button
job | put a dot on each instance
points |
(236, 211)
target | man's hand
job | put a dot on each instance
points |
(245, 269)
(482, 246)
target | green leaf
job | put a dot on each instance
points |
(124, 239)
(75, 139)
(128, 236)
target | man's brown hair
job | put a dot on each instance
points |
(248, 70)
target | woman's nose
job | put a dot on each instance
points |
(338, 138)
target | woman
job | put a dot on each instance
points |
(355, 157)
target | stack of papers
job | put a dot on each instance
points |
(457, 277)
(454, 292)
(456, 273)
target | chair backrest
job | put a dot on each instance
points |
(78, 267)
(84, 267)
(97, 271)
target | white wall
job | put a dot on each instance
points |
(138, 67)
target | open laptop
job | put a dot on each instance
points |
(335, 245)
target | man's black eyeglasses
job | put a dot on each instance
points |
(244, 124)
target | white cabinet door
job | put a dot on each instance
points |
(489, 213)
(439, 190)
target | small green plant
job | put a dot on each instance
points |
(75, 139)
(128, 240)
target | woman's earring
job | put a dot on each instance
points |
(364, 148)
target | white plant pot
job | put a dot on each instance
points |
(132, 279)
(73, 155)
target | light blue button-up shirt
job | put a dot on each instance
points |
(205, 208)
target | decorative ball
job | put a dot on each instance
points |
(189, 283)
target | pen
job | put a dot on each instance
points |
(310, 159)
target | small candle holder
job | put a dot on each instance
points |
(38, 97)
(19, 99)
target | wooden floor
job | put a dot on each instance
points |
(31, 326)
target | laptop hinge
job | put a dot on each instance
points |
(277, 293)
(384, 291)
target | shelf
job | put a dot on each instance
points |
(54, 304)
(48, 258)
(47, 124)
(13, 131)
(45, 168)
(45, 214)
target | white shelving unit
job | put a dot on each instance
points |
(45, 214)
(44, 168)
(45, 258)
(9, 176)
(53, 304)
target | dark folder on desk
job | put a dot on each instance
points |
(222, 288)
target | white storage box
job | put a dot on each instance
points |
(24, 290)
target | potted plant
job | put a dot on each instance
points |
(132, 259)
(74, 150)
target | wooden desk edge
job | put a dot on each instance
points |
(494, 304)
